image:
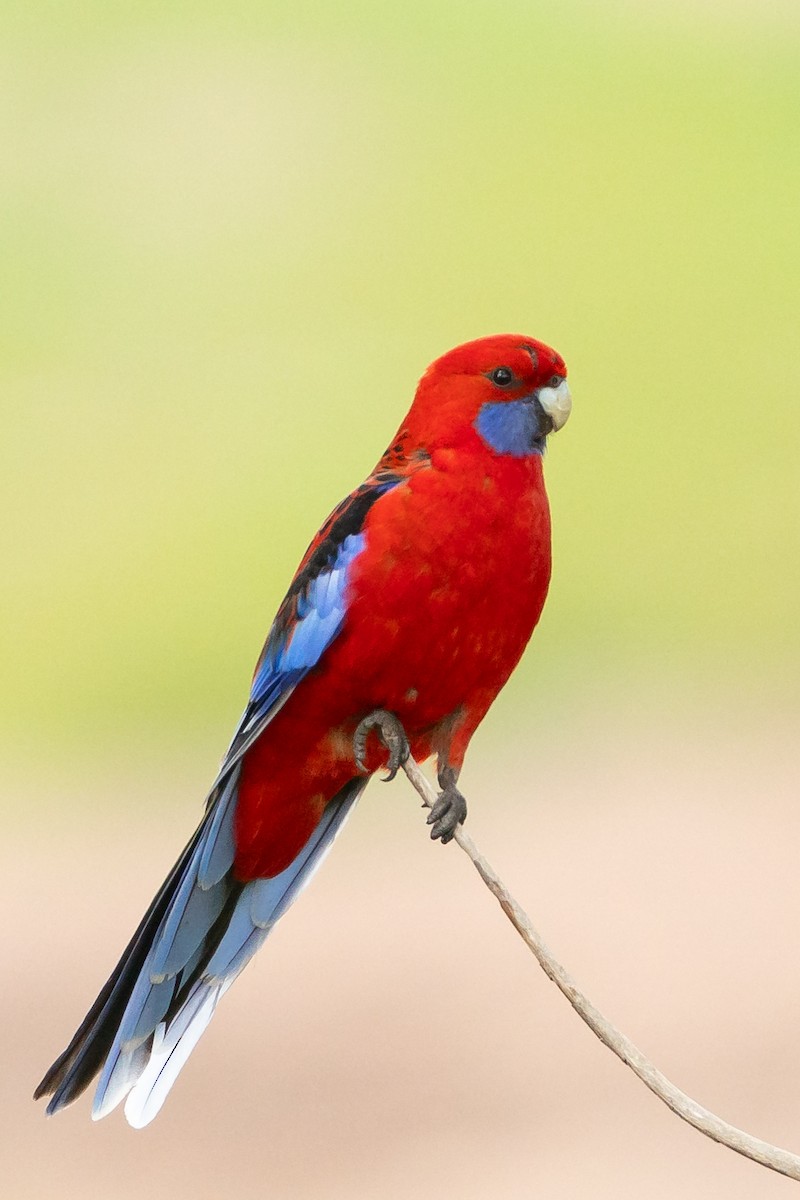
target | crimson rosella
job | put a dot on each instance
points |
(409, 611)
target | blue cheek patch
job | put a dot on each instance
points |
(509, 427)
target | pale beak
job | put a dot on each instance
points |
(556, 402)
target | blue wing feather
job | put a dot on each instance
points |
(219, 849)
(312, 614)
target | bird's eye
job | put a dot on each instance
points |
(555, 381)
(502, 376)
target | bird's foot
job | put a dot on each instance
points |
(391, 733)
(449, 811)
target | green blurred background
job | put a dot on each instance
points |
(232, 238)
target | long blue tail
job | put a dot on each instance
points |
(199, 933)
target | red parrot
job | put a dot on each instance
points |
(409, 611)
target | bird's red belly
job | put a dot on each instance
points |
(447, 596)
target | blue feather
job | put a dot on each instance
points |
(219, 847)
(201, 911)
(171, 1048)
(120, 1074)
(159, 997)
(319, 615)
(168, 932)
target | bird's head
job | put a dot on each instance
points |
(506, 392)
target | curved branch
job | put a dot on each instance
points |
(687, 1109)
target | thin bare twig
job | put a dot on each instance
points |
(689, 1110)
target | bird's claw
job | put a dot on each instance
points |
(391, 733)
(449, 811)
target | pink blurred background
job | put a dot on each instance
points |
(395, 1038)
